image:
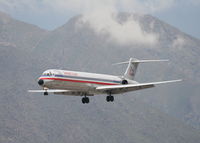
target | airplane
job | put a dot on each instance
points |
(86, 84)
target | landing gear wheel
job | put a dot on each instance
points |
(85, 100)
(110, 98)
(45, 93)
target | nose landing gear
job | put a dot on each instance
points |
(45, 93)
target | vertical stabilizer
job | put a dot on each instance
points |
(131, 69)
(133, 65)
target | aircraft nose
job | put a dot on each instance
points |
(41, 82)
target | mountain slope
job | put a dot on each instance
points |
(81, 48)
(34, 118)
(18, 34)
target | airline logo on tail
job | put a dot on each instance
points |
(131, 71)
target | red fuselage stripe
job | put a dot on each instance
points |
(80, 81)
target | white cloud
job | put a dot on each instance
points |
(100, 15)
(126, 33)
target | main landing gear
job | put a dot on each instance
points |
(110, 98)
(85, 100)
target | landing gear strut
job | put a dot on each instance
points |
(45, 91)
(85, 100)
(110, 98)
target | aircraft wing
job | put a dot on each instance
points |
(116, 89)
(49, 91)
(62, 92)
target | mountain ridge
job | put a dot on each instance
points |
(26, 117)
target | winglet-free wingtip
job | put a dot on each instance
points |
(168, 81)
(177, 80)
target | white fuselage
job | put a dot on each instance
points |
(88, 84)
(82, 82)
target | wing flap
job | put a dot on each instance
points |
(48, 90)
(62, 92)
(116, 89)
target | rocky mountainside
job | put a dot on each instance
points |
(26, 51)
(80, 48)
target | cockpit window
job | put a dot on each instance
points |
(48, 73)
(44, 74)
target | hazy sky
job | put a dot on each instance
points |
(49, 14)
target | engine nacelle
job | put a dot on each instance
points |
(124, 81)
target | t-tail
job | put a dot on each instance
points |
(133, 65)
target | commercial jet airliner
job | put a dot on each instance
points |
(89, 84)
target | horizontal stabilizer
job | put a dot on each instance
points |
(141, 61)
(133, 65)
